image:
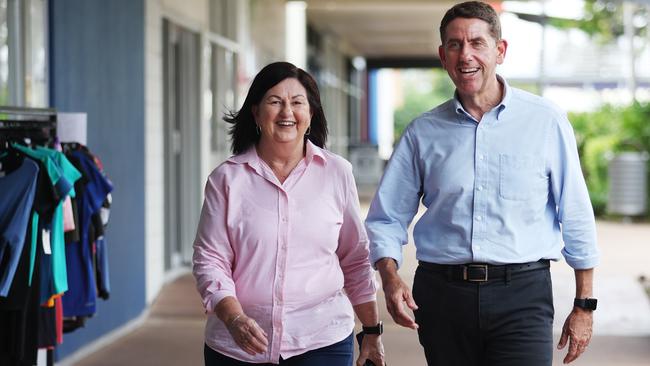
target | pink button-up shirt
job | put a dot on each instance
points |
(295, 254)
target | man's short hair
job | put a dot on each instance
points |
(472, 9)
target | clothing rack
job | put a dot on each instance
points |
(32, 125)
(38, 125)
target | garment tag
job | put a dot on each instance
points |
(47, 248)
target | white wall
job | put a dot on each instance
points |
(267, 32)
(192, 14)
(154, 154)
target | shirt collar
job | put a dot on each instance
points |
(507, 96)
(251, 158)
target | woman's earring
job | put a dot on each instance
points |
(257, 129)
(308, 131)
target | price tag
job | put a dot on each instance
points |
(47, 247)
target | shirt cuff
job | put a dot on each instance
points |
(364, 299)
(379, 251)
(211, 301)
(581, 262)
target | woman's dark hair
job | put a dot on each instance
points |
(243, 131)
(472, 9)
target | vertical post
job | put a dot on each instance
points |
(296, 33)
(541, 81)
(15, 41)
(628, 14)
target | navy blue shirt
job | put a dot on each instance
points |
(17, 190)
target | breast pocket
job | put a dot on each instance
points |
(521, 177)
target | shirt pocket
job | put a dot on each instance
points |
(521, 177)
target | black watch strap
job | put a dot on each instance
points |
(586, 303)
(377, 329)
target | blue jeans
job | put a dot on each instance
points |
(338, 354)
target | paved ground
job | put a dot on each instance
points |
(173, 332)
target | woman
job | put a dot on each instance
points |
(281, 255)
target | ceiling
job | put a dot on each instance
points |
(382, 29)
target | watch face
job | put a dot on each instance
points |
(378, 329)
(591, 304)
(587, 304)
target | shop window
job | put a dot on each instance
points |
(23, 53)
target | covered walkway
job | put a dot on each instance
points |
(172, 333)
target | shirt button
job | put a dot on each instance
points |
(480, 188)
(477, 247)
(284, 219)
(479, 218)
(480, 157)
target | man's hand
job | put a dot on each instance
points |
(397, 293)
(577, 330)
(371, 349)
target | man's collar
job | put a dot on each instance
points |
(507, 96)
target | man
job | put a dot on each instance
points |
(498, 172)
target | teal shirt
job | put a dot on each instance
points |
(63, 175)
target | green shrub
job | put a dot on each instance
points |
(603, 133)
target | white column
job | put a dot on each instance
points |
(385, 112)
(296, 33)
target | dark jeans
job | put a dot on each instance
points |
(498, 322)
(338, 354)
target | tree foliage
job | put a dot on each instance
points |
(603, 133)
(604, 20)
(417, 101)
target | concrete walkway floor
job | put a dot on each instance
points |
(172, 334)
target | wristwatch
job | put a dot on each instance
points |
(377, 329)
(588, 303)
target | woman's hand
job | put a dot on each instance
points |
(247, 334)
(371, 349)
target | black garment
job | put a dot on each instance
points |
(46, 327)
(506, 321)
(19, 312)
(73, 323)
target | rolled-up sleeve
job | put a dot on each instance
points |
(572, 199)
(360, 285)
(213, 254)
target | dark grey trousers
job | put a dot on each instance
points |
(501, 322)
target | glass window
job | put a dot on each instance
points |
(4, 54)
(23, 53)
(36, 55)
(223, 17)
(222, 85)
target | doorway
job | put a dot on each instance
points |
(182, 88)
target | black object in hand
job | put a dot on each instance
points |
(359, 340)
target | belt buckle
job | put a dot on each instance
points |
(466, 272)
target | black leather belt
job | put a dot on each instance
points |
(481, 272)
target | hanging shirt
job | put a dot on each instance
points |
(294, 254)
(71, 174)
(81, 297)
(67, 174)
(17, 190)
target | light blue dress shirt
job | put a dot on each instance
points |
(506, 190)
